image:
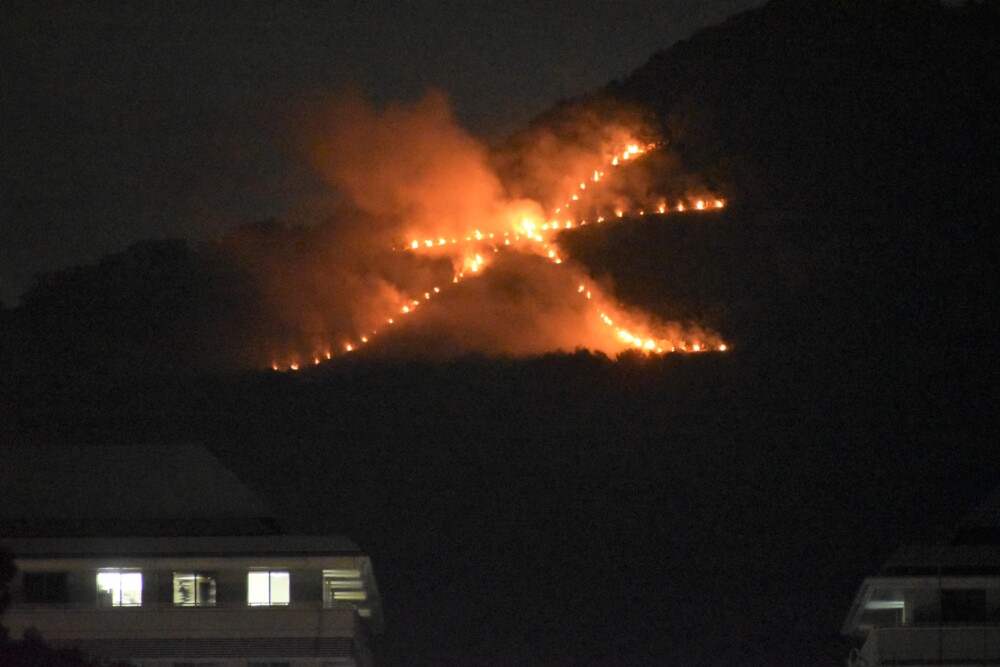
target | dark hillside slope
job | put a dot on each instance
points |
(858, 144)
(837, 102)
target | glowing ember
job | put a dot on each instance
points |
(527, 233)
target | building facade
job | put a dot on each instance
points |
(248, 600)
(186, 582)
(934, 605)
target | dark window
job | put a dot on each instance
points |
(45, 587)
(963, 605)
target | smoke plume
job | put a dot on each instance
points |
(432, 252)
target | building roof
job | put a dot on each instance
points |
(124, 490)
(944, 560)
(185, 546)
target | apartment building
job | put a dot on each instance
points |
(184, 578)
(934, 604)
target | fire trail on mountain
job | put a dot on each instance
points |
(521, 228)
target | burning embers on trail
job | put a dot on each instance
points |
(415, 167)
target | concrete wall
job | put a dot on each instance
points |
(915, 646)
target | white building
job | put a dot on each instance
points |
(167, 586)
(933, 605)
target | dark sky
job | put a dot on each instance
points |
(125, 121)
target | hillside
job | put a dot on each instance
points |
(837, 103)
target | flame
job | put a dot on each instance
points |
(527, 233)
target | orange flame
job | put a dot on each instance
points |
(528, 233)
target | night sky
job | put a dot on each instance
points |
(128, 122)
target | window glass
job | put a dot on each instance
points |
(343, 585)
(267, 588)
(280, 589)
(963, 605)
(258, 589)
(194, 590)
(119, 588)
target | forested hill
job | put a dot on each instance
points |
(869, 126)
(857, 143)
(834, 103)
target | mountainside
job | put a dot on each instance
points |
(857, 144)
(885, 105)
(869, 125)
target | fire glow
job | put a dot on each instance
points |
(522, 227)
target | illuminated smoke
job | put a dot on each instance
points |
(434, 254)
(414, 168)
(525, 305)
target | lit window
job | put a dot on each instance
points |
(119, 588)
(194, 590)
(267, 588)
(343, 585)
(885, 613)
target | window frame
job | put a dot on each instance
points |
(196, 578)
(343, 586)
(121, 573)
(271, 575)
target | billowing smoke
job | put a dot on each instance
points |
(548, 159)
(413, 168)
(435, 249)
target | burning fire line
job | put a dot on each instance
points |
(537, 237)
(531, 231)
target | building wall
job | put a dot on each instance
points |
(303, 632)
(931, 645)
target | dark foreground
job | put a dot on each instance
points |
(570, 509)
